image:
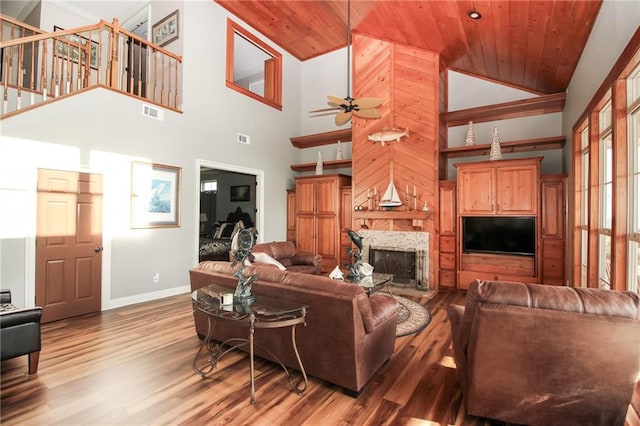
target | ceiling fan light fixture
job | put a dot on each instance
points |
(474, 14)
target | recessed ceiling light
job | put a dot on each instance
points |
(474, 14)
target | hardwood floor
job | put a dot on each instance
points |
(132, 366)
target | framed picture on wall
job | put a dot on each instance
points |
(240, 193)
(75, 48)
(166, 30)
(155, 195)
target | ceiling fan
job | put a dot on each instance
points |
(348, 106)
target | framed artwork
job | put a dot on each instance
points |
(72, 46)
(165, 30)
(240, 193)
(155, 195)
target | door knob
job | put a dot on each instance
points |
(97, 249)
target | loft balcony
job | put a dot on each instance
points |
(38, 67)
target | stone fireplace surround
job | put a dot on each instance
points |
(417, 242)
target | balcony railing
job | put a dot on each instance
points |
(37, 67)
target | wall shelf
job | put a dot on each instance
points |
(526, 145)
(326, 165)
(417, 217)
(318, 139)
(539, 105)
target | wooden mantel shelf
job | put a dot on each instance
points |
(326, 165)
(318, 139)
(392, 214)
(526, 145)
(539, 105)
(417, 217)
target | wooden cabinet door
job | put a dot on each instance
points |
(327, 196)
(305, 233)
(305, 197)
(552, 195)
(291, 215)
(516, 190)
(475, 191)
(448, 209)
(327, 241)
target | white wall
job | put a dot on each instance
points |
(616, 23)
(469, 92)
(102, 132)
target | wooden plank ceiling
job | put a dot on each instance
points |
(530, 44)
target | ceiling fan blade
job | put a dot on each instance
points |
(321, 114)
(343, 117)
(336, 100)
(326, 109)
(367, 113)
(364, 103)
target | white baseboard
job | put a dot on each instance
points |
(146, 297)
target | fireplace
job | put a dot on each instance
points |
(403, 254)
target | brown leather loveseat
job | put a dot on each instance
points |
(544, 355)
(347, 338)
(287, 254)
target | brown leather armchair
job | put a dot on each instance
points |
(19, 331)
(287, 254)
(545, 355)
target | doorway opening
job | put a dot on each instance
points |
(226, 194)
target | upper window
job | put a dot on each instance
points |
(253, 67)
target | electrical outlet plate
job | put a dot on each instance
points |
(156, 277)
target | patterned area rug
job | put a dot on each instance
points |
(412, 318)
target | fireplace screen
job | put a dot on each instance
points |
(399, 262)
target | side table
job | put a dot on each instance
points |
(264, 312)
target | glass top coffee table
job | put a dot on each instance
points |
(263, 312)
(373, 282)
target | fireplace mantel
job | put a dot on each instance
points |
(417, 217)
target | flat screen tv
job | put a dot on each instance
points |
(499, 235)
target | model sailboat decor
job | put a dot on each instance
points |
(390, 198)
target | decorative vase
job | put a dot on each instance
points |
(495, 153)
(470, 140)
(339, 152)
(319, 164)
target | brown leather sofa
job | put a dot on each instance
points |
(545, 355)
(287, 254)
(347, 338)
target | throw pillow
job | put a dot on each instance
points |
(219, 230)
(227, 231)
(265, 258)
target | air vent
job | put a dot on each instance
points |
(245, 139)
(152, 112)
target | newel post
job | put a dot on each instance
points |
(113, 66)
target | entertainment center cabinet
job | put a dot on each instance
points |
(511, 191)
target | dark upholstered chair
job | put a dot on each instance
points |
(545, 355)
(19, 331)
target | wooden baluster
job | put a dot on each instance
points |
(113, 76)
(43, 70)
(175, 83)
(20, 76)
(5, 83)
(32, 83)
(162, 80)
(155, 74)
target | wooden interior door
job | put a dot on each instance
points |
(68, 244)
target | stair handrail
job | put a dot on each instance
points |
(75, 67)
